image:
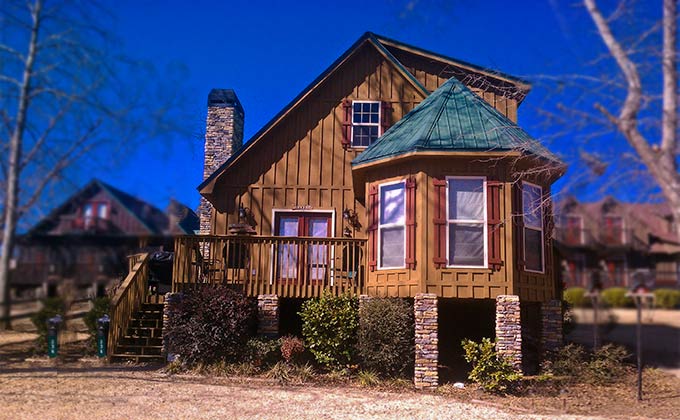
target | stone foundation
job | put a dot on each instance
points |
(426, 375)
(551, 326)
(170, 300)
(509, 329)
(268, 315)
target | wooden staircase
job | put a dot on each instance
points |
(142, 342)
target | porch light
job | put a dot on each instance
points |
(352, 218)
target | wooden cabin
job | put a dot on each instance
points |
(397, 172)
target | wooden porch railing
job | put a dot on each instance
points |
(128, 299)
(287, 266)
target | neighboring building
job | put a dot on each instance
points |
(85, 241)
(397, 172)
(617, 240)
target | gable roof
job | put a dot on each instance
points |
(153, 220)
(453, 119)
(380, 44)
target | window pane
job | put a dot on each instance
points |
(374, 118)
(466, 199)
(531, 201)
(533, 250)
(356, 107)
(361, 136)
(102, 211)
(374, 107)
(392, 247)
(392, 204)
(466, 244)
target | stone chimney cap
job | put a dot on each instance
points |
(224, 98)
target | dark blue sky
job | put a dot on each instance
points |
(269, 51)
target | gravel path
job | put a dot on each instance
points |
(108, 393)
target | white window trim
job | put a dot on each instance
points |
(542, 230)
(485, 224)
(390, 225)
(353, 124)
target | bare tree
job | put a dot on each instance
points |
(64, 92)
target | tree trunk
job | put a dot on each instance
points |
(14, 168)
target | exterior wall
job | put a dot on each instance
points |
(301, 164)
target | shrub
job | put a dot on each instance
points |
(329, 327)
(385, 343)
(666, 298)
(291, 348)
(50, 307)
(489, 369)
(368, 378)
(569, 361)
(210, 324)
(100, 307)
(615, 297)
(576, 297)
(606, 365)
(262, 352)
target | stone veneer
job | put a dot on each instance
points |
(170, 300)
(551, 325)
(268, 315)
(223, 136)
(509, 329)
(425, 310)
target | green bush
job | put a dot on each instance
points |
(211, 324)
(666, 298)
(50, 307)
(329, 327)
(385, 344)
(615, 297)
(489, 369)
(573, 362)
(262, 352)
(576, 297)
(100, 307)
(569, 361)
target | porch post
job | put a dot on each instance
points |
(509, 329)
(551, 326)
(268, 315)
(426, 375)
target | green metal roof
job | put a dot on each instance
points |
(453, 119)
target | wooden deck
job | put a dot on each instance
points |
(299, 267)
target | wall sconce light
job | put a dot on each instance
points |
(244, 214)
(352, 219)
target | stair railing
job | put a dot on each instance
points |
(129, 297)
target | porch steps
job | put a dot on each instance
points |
(143, 342)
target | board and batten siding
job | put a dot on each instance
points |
(300, 163)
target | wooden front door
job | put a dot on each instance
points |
(302, 262)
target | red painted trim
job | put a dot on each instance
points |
(347, 124)
(373, 227)
(439, 220)
(410, 223)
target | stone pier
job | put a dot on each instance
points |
(509, 329)
(170, 300)
(425, 310)
(551, 326)
(268, 315)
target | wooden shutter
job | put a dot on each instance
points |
(385, 116)
(548, 228)
(494, 222)
(347, 124)
(411, 223)
(439, 220)
(373, 227)
(518, 217)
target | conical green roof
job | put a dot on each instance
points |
(453, 119)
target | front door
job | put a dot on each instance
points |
(298, 260)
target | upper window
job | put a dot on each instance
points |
(392, 225)
(532, 213)
(102, 211)
(466, 222)
(365, 123)
(613, 233)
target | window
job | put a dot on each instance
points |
(365, 123)
(532, 213)
(466, 219)
(392, 225)
(613, 233)
(102, 211)
(88, 215)
(574, 233)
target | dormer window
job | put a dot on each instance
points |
(365, 122)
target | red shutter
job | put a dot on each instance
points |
(411, 223)
(385, 116)
(494, 222)
(373, 227)
(347, 124)
(439, 220)
(548, 227)
(518, 216)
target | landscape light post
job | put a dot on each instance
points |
(594, 289)
(640, 294)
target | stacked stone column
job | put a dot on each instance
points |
(509, 329)
(551, 326)
(268, 315)
(426, 375)
(170, 300)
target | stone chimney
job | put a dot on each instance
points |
(223, 136)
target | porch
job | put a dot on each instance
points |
(294, 267)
